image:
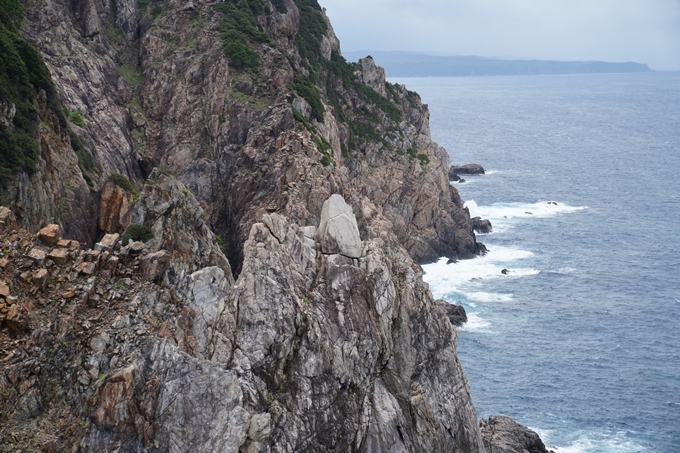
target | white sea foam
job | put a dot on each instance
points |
(489, 297)
(591, 441)
(505, 215)
(475, 323)
(445, 279)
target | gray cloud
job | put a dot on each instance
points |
(644, 31)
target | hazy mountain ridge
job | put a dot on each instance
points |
(413, 64)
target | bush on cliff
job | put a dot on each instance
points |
(137, 233)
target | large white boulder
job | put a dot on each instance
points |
(338, 232)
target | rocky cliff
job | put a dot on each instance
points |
(274, 202)
(250, 104)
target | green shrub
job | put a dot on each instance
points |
(424, 160)
(309, 93)
(76, 116)
(239, 29)
(137, 233)
(312, 28)
(124, 183)
(280, 6)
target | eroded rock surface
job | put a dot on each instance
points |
(306, 351)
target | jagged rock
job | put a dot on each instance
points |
(469, 169)
(7, 220)
(16, 320)
(37, 255)
(455, 313)
(481, 226)
(338, 231)
(154, 265)
(60, 256)
(86, 268)
(115, 208)
(176, 219)
(50, 235)
(68, 244)
(40, 277)
(108, 242)
(4, 289)
(503, 435)
(372, 75)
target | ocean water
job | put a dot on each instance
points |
(581, 340)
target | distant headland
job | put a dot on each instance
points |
(413, 64)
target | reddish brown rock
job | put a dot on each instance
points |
(16, 320)
(68, 244)
(115, 208)
(60, 256)
(40, 277)
(86, 267)
(4, 289)
(50, 235)
(112, 409)
(108, 242)
(37, 255)
(7, 220)
(154, 265)
(3, 263)
(68, 294)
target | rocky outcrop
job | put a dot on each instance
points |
(455, 313)
(338, 232)
(481, 226)
(504, 435)
(371, 75)
(306, 351)
(469, 169)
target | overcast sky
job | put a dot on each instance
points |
(643, 31)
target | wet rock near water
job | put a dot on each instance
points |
(503, 435)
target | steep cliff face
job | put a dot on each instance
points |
(252, 105)
(240, 119)
(309, 350)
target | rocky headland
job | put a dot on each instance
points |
(212, 237)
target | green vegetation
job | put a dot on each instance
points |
(23, 75)
(124, 183)
(143, 6)
(280, 6)
(240, 30)
(424, 160)
(130, 74)
(137, 233)
(85, 159)
(76, 116)
(321, 144)
(310, 94)
(312, 28)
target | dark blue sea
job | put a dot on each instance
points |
(581, 340)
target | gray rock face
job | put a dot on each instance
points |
(372, 75)
(504, 435)
(338, 232)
